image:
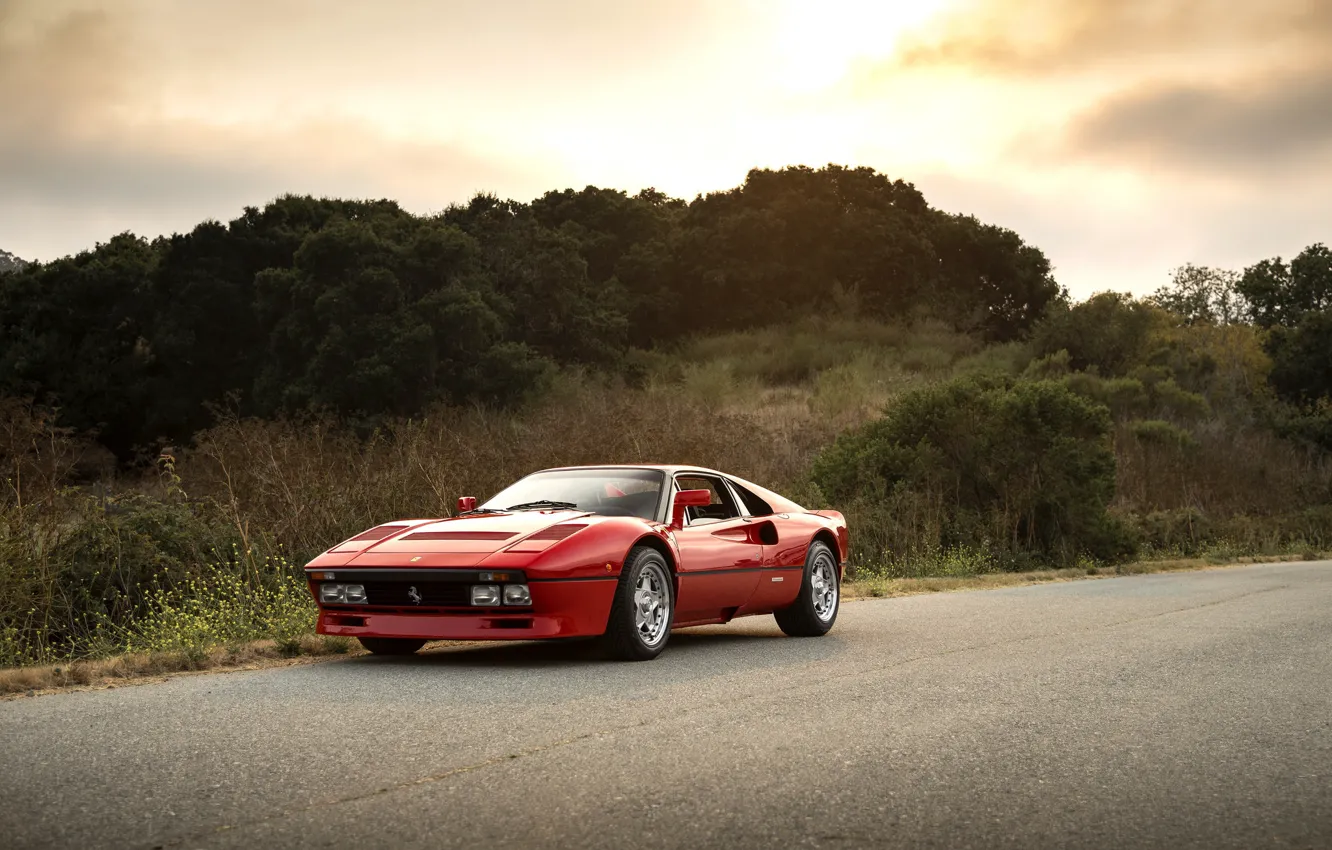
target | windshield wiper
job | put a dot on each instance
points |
(542, 503)
(482, 511)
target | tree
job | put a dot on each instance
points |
(550, 304)
(74, 337)
(1280, 294)
(989, 278)
(1302, 359)
(385, 315)
(365, 309)
(1200, 294)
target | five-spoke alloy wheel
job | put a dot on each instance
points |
(641, 616)
(815, 608)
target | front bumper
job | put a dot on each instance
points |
(560, 608)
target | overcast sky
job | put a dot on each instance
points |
(1123, 137)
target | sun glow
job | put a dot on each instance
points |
(820, 39)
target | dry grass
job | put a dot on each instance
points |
(139, 668)
(872, 588)
(146, 668)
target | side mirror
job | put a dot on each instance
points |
(688, 499)
(466, 503)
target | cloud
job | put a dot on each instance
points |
(1032, 37)
(1269, 125)
(86, 152)
(1215, 89)
(1121, 136)
(153, 114)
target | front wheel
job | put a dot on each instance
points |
(391, 646)
(815, 609)
(643, 609)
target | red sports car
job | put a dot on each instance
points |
(626, 553)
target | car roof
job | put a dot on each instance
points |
(670, 469)
(776, 500)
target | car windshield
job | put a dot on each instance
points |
(609, 492)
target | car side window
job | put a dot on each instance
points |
(754, 506)
(721, 507)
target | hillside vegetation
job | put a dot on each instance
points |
(186, 421)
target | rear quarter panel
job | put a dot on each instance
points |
(784, 562)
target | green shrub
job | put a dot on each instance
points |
(1161, 433)
(1027, 465)
(221, 607)
(1145, 394)
(81, 560)
(1055, 365)
(1178, 532)
(1108, 332)
(1172, 400)
(1307, 424)
(932, 562)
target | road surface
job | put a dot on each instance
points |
(1175, 710)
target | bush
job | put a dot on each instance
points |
(1302, 359)
(1182, 531)
(1308, 424)
(1161, 433)
(1016, 466)
(1108, 332)
(1146, 393)
(86, 561)
(220, 607)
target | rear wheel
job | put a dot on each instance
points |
(391, 646)
(815, 609)
(643, 609)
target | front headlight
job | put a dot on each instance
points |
(351, 594)
(517, 594)
(485, 594)
(334, 592)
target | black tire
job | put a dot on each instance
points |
(805, 618)
(392, 646)
(627, 636)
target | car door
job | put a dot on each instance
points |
(721, 557)
(785, 540)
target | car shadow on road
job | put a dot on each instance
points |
(568, 670)
(717, 648)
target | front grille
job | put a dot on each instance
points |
(438, 594)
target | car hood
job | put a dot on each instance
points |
(463, 541)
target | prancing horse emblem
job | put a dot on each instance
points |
(414, 595)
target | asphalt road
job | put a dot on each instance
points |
(1185, 710)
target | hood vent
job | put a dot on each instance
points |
(558, 532)
(379, 532)
(460, 535)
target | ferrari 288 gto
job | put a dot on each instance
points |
(623, 553)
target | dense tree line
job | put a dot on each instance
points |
(1291, 304)
(364, 309)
